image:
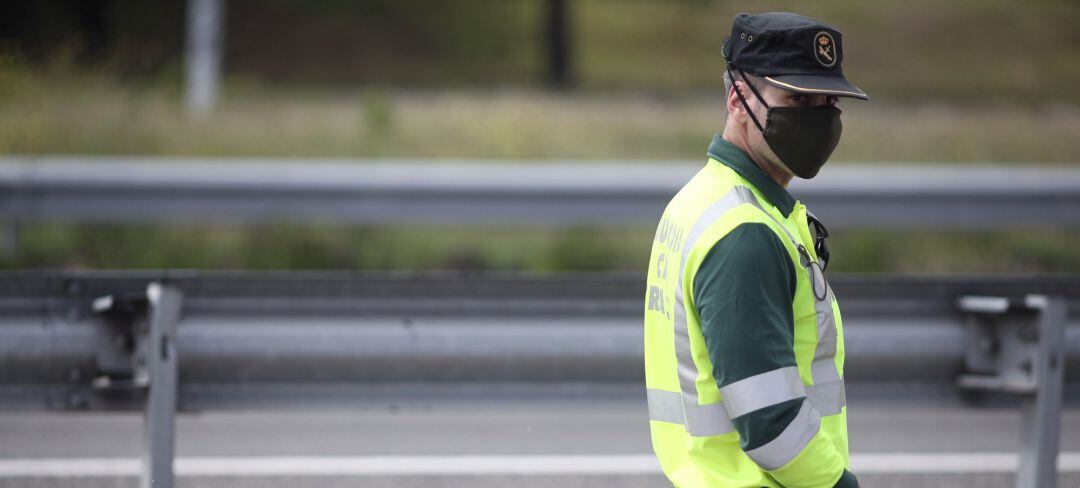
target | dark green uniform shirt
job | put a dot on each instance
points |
(744, 291)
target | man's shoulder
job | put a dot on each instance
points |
(748, 253)
(711, 183)
(748, 245)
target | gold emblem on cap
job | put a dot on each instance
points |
(825, 49)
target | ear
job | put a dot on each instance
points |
(734, 106)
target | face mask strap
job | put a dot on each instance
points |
(753, 89)
(743, 99)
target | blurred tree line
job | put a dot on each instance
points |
(962, 50)
(371, 41)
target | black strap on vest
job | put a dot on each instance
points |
(820, 233)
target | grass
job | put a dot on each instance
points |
(76, 112)
(962, 50)
(287, 246)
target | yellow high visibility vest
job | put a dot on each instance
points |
(690, 418)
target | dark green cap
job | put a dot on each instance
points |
(790, 51)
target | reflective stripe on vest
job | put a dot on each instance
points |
(762, 390)
(790, 442)
(825, 397)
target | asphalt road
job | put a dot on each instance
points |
(482, 444)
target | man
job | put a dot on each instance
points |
(744, 344)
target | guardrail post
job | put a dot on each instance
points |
(160, 414)
(153, 315)
(204, 46)
(1018, 346)
(1041, 426)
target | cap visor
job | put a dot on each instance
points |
(817, 85)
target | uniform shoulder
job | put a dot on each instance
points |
(750, 253)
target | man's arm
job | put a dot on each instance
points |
(743, 292)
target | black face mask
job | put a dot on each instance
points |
(802, 137)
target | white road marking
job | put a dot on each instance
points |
(946, 462)
(950, 462)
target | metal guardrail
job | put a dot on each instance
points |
(247, 337)
(153, 340)
(446, 192)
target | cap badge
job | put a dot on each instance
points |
(825, 49)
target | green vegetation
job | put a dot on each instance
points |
(961, 51)
(45, 112)
(287, 246)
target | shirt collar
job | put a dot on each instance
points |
(731, 156)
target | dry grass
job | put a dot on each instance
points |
(91, 114)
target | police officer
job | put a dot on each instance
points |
(744, 341)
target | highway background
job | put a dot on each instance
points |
(535, 139)
(502, 83)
